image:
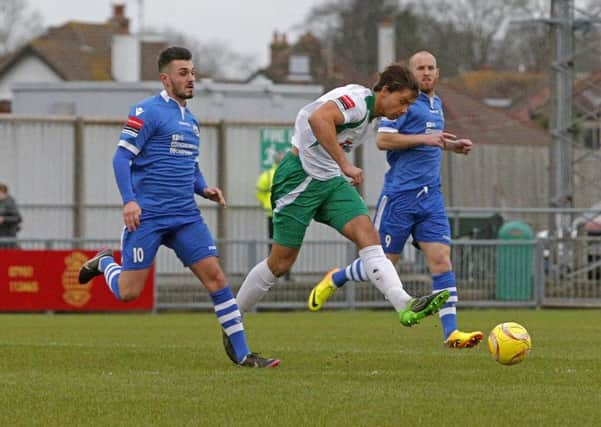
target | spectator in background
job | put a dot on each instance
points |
(263, 193)
(10, 218)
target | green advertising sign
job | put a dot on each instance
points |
(272, 142)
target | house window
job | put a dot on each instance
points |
(299, 67)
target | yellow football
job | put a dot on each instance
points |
(509, 343)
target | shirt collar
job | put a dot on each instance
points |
(164, 95)
(167, 98)
(370, 102)
(426, 96)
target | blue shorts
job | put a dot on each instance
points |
(189, 237)
(420, 213)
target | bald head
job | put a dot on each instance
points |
(422, 55)
(424, 68)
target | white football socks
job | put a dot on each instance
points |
(256, 284)
(383, 275)
(379, 269)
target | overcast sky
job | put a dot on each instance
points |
(245, 25)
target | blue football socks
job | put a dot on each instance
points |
(111, 271)
(354, 272)
(448, 312)
(230, 318)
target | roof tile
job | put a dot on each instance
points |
(82, 51)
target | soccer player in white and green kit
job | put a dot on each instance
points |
(311, 183)
(411, 202)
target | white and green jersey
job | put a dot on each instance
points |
(357, 106)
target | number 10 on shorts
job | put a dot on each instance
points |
(138, 254)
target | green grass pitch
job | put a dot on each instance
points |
(339, 368)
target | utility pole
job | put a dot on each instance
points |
(562, 25)
(562, 80)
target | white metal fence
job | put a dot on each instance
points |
(529, 273)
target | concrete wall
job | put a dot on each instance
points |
(213, 101)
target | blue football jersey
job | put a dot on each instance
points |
(164, 137)
(418, 166)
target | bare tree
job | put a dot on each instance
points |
(217, 59)
(17, 24)
(592, 8)
(482, 24)
(526, 43)
(213, 58)
(349, 30)
(588, 38)
(463, 34)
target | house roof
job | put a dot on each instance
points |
(470, 118)
(81, 51)
(484, 84)
(586, 94)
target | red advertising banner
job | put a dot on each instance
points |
(47, 280)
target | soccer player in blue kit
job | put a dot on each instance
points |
(411, 201)
(157, 173)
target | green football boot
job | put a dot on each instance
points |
(418, 308)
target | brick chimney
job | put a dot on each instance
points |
(125, 48)
(279, 55)
(119, 22)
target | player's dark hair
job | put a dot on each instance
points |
(3, 188)
(397, 77)
(173, 53)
